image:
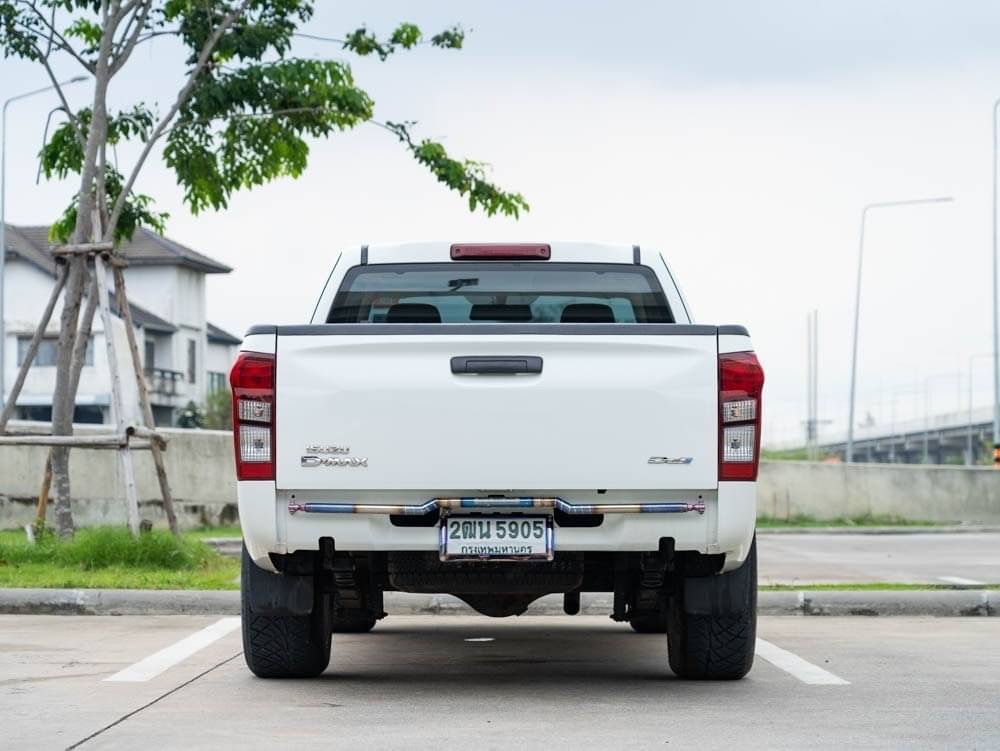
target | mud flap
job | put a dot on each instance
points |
(720, 594)
(277, 594)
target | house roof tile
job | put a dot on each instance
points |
(146, 248)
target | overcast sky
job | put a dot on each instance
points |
(741, 138)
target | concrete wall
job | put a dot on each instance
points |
(908, 491)
(202, 476)
(200, 467)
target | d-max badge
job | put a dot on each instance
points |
(670, 460)
(334, 461)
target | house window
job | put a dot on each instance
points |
(216, 382)
(150, 354)
(192, 361)
(48, 350)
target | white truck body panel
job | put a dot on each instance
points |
(726, 526)
(582, 430)
(600, 408)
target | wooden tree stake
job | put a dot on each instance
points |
(147, 409)
(131, 496)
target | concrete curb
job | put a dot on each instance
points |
(968, 602)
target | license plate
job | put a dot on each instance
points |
(497, 537)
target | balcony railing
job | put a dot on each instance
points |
(164, 382)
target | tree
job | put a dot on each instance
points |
(218, 410)
(192, 416)
(241, 117)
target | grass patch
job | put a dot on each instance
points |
(109, 557)
(864, 520)
(869, 587)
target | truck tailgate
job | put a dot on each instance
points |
(601, 407)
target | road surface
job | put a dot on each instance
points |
(533, 682)
(964, 558)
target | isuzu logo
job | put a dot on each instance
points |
(318, 449)
(334, 461)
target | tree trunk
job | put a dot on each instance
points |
(63, 400)
(64, 397)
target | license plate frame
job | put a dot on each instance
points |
(494, 547)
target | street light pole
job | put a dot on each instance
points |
(857, 305)
(996, 307)
(3, 217)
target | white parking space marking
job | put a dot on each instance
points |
(959, 580)
(796, 666)
(480, 638)
(166, 658)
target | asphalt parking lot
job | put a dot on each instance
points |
(530, 682)
(966, 559)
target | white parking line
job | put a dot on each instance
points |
(796, 666)
(959, 580)
(156, 663)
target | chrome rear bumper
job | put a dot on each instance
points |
(458, 504)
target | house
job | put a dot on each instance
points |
(185, 358)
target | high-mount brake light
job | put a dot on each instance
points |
(507, 252)
(741, 381)
(252, 381)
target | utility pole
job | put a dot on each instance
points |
(996, 307)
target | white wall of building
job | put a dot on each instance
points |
(173, 293)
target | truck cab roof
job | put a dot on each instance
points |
(437, 251)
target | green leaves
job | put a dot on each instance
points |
(466, 177)
(406, 35)
(18, 32)
(88, 32)
(264, 27)
(449, 39)
(245, 128)
(247, 108)
(138, 211)
(62, 154)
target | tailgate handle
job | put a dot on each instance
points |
(496, 365)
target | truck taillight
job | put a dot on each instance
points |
(252, 380)
(741, 380)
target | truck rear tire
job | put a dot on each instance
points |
(283, 646)
(712, 624)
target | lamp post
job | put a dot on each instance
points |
(857, 304)
(3, 216)
(996, 307)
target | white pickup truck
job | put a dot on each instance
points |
(498, 422)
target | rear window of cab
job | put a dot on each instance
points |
(500, 292)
